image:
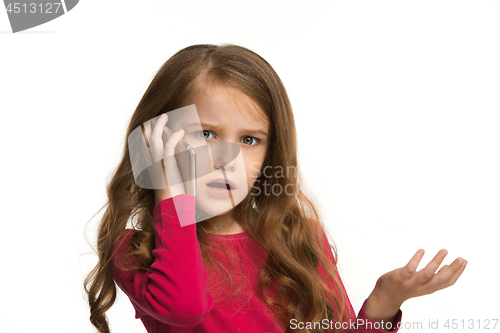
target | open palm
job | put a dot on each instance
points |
(405, 282)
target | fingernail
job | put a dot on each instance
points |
(420, 251)
(181, 131)
(461, 262)
(163, 115)
(444, 253)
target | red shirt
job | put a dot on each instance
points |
(179, 294)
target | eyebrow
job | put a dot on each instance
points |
(243, 130)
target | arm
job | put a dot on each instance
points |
(174, 290)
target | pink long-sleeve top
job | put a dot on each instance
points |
(179, 294)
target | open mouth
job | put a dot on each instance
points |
(224, 186)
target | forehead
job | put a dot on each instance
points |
(228, 105)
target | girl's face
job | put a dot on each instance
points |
(228, 115)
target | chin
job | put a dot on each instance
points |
(215, 206)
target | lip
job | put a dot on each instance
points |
(223, 181)
(219, 192)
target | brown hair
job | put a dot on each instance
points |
(287, 226)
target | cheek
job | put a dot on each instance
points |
(253, 160)
(252, 168)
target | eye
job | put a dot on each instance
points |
(203, 134)
(251, 137)
(247, 139)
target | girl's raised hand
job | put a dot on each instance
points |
(404, 283)
(165, 152)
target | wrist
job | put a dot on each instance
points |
(378, 307)
(390, 302)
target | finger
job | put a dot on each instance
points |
(156, 139)
(158, 129)
(438, 279)
(428, 271)
(147, 139)
(412, 265)
(458, 272)
(147, 134)
(172, 143)
(153, 170)
(447, 275)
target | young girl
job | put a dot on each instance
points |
(265, 265)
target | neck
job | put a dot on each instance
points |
(224, 224)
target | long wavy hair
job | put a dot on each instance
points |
(287, 226)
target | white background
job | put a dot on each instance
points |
(397, 110)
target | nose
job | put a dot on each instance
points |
(224, 154)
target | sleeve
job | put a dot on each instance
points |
(351, 323)
(174, 289)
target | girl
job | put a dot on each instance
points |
(264, 266)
